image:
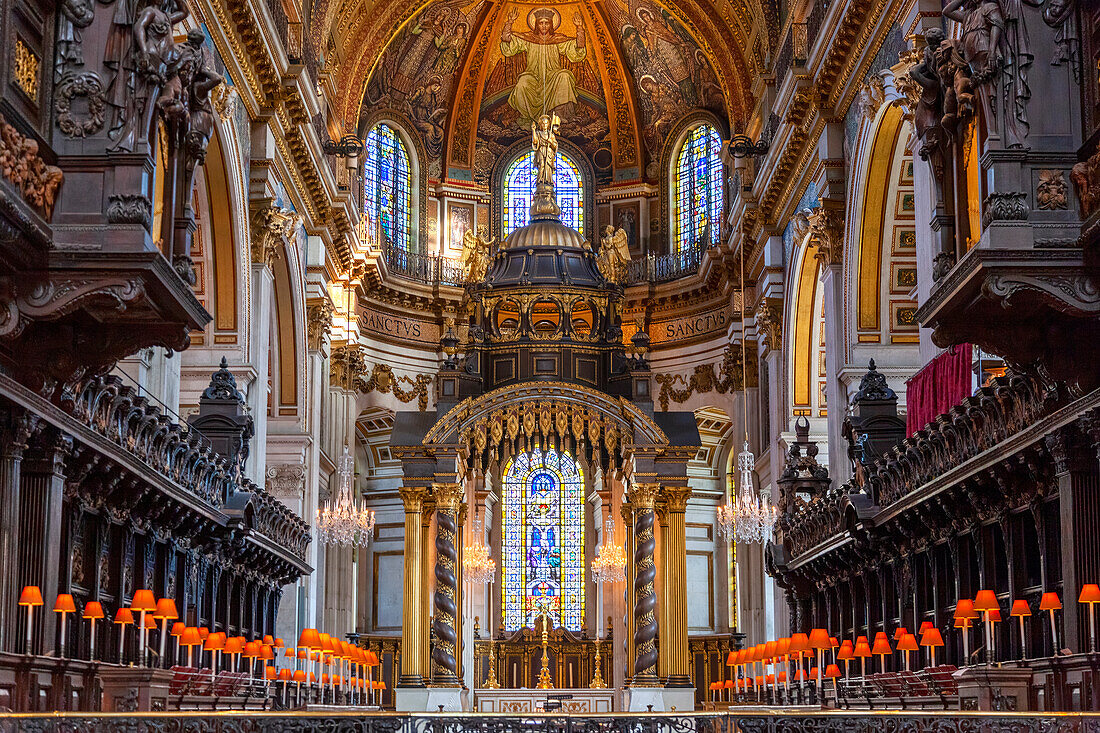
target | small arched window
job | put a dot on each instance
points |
(387, 185)
(519, 188)
(697, 187)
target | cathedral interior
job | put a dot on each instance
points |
(729, 364)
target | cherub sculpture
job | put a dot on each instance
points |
(614, 255)
(476, 252)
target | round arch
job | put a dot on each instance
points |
(678, 135)
(517, 150)
(803, 331)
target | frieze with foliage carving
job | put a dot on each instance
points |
(730, 377)
(382, 379)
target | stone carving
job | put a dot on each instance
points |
(382, 379)
(129, 209)
(75, 16)
(346, 364)
(728, 379)
(995, 45)
(1052, 191)
(270, 225)
(544, 142)
(318, 323)
(872, 95)
(827, 229)
(287, 482)
(1009, 206)
(224, 99)
(1086, 179)
(476, 253)
(87, 86)
(614, 256)
(24, 168)
(223, 385)
(769, 323)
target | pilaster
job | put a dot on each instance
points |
(412, 671)
(674, 639)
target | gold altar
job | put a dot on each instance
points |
(518, 657)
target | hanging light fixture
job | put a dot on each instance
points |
(478, 566)
(609, 565)
(343, 520)
(751, 518)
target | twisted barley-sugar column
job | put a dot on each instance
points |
(644, 497)
(445, 654)
(674, 636)
(412, 670)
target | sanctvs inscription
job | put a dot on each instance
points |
(703, 324)
(405, 329)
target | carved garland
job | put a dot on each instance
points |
(703, 379)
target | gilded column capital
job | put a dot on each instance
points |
(448, 496)
(413, 497)
(644, 496)
(676, 498)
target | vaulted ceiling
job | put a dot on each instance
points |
(452, 67)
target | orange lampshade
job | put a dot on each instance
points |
(93, 609)
(783, 646)
(925, 626)
(371, 658)
(30, 596)
(962, 623)
(251, 650)
(861, 639)
(150, 622)
(965, 609)
(290, 653)
(800, 643)
(270, 673)
(832, 671)
(995, 615)
(862, 649)
(299, 675)
(907, 643)
(64, 604)
(900, 632)
(268, 639)
(214, 643)
(278, 643)
(143, 601)
(770, 679)
(731, 659)
(177, 628)
(286, 674)
(728, 684)
(986, 600)
(819, 639)
(1090, 593)
(769, 649)
(846, 652)
(266, 652)
(1050, 602)
(203, 632)
(931, 637)
(309, 639)
(190, 637)
(833, 643)
(324, 678)
(782, 676)
(303, 653)
(312, 677)
(124, 616)
(233, 645)
(882, 645)
(166, 608)
(712, 684)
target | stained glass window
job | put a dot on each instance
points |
(519, 187)
(543, 540)
(386, 185)
(698, 218)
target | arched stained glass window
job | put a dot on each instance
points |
(543, 540)
(386, 185)
(698, 189)
(519, 187)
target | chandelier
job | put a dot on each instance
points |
(751, 518)
(478, 566)
(609, 565)
(343, 520)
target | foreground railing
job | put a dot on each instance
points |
(772, 721)
(433, 269)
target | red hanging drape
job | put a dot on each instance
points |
(943, 383)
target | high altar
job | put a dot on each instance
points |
(545, 417)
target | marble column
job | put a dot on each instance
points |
(644, 497)
(448, 498)
(674, 635)
(263, 301)
(412, 670)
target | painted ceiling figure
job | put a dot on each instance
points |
(544, 86)
(664, 50)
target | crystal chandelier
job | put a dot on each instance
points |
(609, 565)
(343, 520)
(751, 518)
(478, 566)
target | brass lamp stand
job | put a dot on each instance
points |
(597, 676)
(545, 683)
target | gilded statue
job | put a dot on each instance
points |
(614, 255)
(544, 141)
(476, 252)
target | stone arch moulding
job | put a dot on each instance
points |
(631, 421)
(418, 159)
(517, 150)
(673, 142)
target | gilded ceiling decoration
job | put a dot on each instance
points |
(635, 63)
